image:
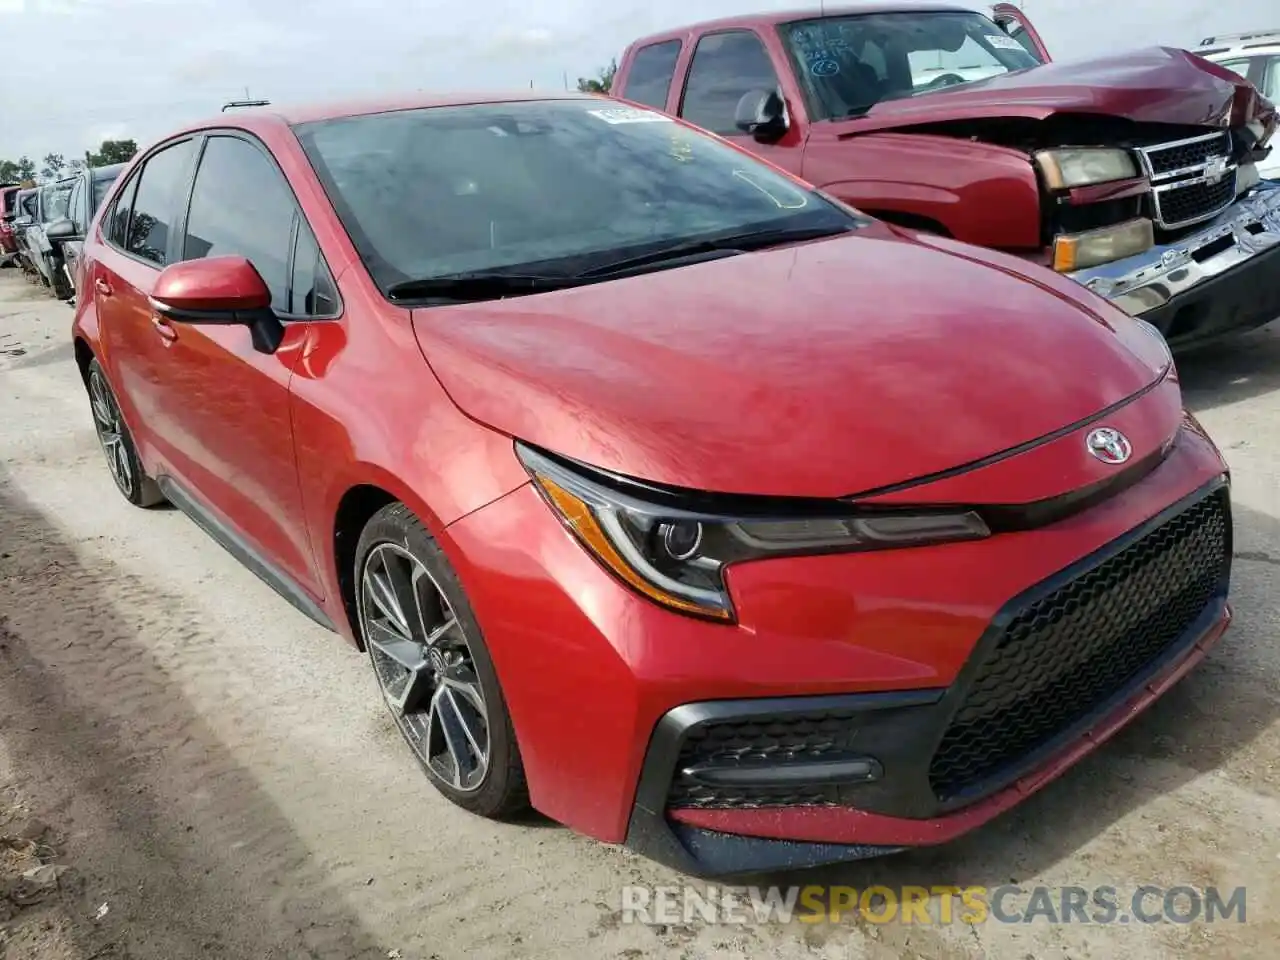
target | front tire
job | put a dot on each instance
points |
(117, 443)
(433, 668)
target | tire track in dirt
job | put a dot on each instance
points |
(197, 862)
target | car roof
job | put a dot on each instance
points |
(774, 17)
(258, 118)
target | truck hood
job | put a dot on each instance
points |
(1155, 84)
(822, 369)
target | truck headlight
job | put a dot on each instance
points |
(1079, 167)
(1075, 251)
(673, 546)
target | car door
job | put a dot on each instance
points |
(138, 244)
(1014, 21)
(726, 65)
(224, 416)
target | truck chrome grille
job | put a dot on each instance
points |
(1192, 180)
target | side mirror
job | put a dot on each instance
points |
(763, 114)
(219, 290)
(62, 229)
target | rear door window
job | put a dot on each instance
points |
(117, 226)
(161, 186)
(652, 69)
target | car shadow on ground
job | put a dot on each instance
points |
(158, 820)
(1207, 722)
(1236, 369)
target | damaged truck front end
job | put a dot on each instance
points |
(1135, 174)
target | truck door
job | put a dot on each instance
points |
(1015, 23)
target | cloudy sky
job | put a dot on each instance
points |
(77, 71)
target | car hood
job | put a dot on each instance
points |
(1155, 84)
(822, 369)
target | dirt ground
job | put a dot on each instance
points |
(189, 768)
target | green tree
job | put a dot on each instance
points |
(112, 151)
(8, 171)
(601, 82)
(53, 166)
(26, 168)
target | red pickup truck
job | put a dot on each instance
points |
(1135, 174)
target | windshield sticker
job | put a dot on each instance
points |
(1001, 42)
(629, 115)
(824, 68)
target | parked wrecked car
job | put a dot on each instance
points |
(50, 207)
(690, 506)
(1134, 174)
(1256, 56)
(66, 234)
(8, 210)
(26, 207)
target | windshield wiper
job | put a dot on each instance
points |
(726, 245)
(480, 285)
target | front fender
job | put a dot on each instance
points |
(981, 193)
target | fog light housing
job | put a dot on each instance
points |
(1075, 251)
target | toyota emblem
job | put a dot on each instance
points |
(1109, 445)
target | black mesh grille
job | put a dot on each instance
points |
(818, 736)
(1197, 201)
(1069, 653)
(1170, 159)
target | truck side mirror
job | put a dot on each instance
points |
(762, 114)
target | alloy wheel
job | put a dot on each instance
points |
(424, 666)
(110, 427)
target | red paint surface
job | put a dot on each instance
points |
(214, 283)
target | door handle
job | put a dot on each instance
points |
(102, 287)
(162, 326)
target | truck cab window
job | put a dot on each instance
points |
(725, 66)
(652, 68)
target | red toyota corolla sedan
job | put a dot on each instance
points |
(673, 498)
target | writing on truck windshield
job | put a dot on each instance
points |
(846, 65)
(561, 184)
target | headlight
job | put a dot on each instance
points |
(673, 551)
(1078, 167)
(1075, 251)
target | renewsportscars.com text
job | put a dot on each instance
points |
(941, 904)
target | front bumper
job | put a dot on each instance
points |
(744, 786)
(1223, 278)
(592, 673)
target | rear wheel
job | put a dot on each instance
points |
(117, 442)
(433, 668)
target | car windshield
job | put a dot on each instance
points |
(54, 200)
(565, 185)
(849, 64)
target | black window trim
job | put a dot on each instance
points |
(693, 56)
(675, 70)
(236, 133)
